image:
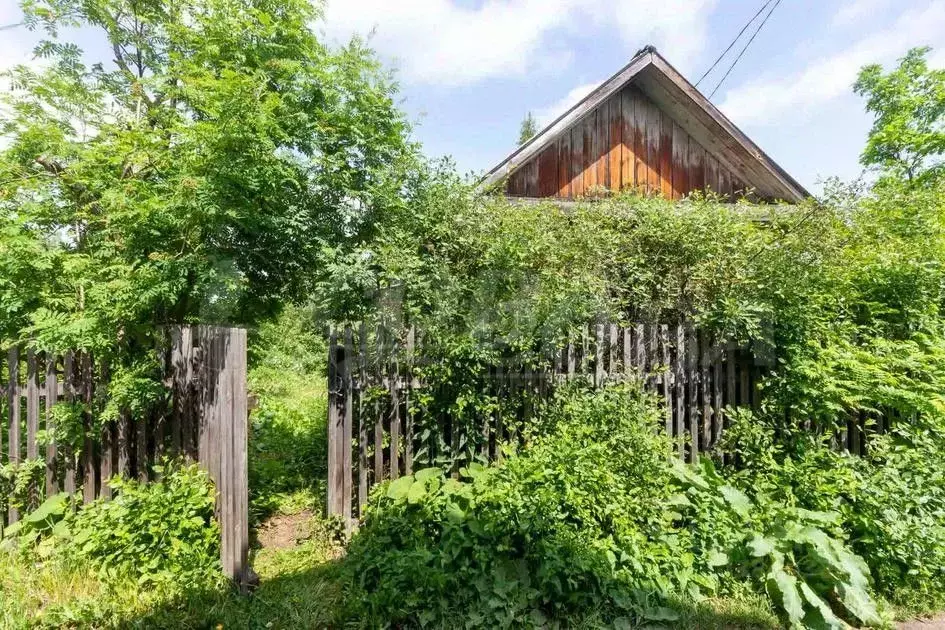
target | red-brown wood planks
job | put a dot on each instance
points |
(627, 157)
(696, 166)
(615, 147)
(564, 166)
(589, 145)
(666, 156)
(548, 171)
(680, 162)
(640, 174)
(654, 131)
(601, 144)
(577, 161)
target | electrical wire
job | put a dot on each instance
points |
(737, 37)
(742, 52)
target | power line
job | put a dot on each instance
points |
(737, 37)
(742, 52)
(9, 26)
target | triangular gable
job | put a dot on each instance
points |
(648, 128)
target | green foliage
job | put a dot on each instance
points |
(300, 588)
(194, 173)
(17, 481)
(907, 140)
(540, 537)
(35, 528)
(592, 519)
(896, 518)
(158, 532)
(528, 129)
(889, 504)
(813, 579)
(288, 449)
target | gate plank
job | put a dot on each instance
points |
(13, 400)
(52, 395)
(68, 380)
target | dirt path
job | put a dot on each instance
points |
(282, 531)
(932, 623)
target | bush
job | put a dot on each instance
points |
(541, 536)
(593, 520)
(889, 504)
(157, 532)
(896, 519)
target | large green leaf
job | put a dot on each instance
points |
(820, 616)
(737, 499)
(416, 493)
(717, 558)
(428, 473)
(782, 586)
(761, 546)
(399, 488)
(857, 600)
(53, 506)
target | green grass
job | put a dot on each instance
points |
(742, 613)
(299, 587)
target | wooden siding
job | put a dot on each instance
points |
(625, 143)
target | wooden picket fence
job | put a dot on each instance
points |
(203, 418)
(373, 412)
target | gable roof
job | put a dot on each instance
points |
(702, 120)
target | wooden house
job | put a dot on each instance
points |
(645, 128)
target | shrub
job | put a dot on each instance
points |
(889, 504)
(594, 519)
(896, 519)
(157, 532)
(543, 535)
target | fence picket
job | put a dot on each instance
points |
(705, 389)
(52, 395)
(408, 401)
(68, 384)
(13, 401)
(363, 464)
(123, 431)
(88, 448)
(680, 390)
(335, 414)
(692, 392)
(346, 427)
(666, 378)
(394, 389)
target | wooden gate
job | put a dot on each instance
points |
(203, 419)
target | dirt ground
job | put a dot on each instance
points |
(282, 531)
(934, 623)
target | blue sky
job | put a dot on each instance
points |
(470, 69)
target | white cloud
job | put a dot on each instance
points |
(440, 42)
(547, 114)
(764, 101)
(852, 12)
